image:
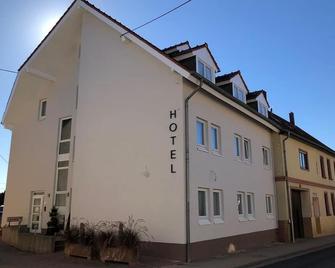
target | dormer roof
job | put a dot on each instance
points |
(176, 47)
(228, 77)
(174, 53)
(256, 94)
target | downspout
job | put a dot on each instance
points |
(187, 172)
(288, 194)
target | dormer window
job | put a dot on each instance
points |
(238, 93)
(205, 70)
(262, 109)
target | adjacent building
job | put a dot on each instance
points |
(305, 173)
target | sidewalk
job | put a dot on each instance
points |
(267, 255)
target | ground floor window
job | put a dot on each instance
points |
(269, 204)
(332, 197)
(251, 206)
(241, 204)
(203, 203)
(328, 213)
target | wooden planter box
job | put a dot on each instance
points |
(78, 250)
(118, 254)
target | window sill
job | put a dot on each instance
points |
(251, 218)
(217, 154)
(204, 222)
(202, 149)
(267, 167)
(242, 219)
(270, 216)
(218, 220)
(42, 118)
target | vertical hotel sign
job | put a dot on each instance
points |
(172, 129)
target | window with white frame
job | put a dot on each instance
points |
(205, 70)
(237, 146)
(262, 108)
(238, 93)
(247, 149)
(203, 205)
(215, 139)
(217, 204)
(250, 205)
(241, 204)
(201, 126)
(269, 204)
(266, 156)
(42, 113)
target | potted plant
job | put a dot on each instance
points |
(53, 223)
(121, 242)
(80, 240)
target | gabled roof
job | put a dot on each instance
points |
(193, 77)
(299, 133)
(255, 94)
(176, 45)
(192, 49)
(227, 77)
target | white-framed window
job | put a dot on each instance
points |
(215, 139)
(262, 108)
(217, 206)
(247, 149)
(42, 112)
(238, 93)
(205, 70)
(241, 204)
(251, 206)
(303, 160)
(203, 205)
(269, 205)
(238, 146)
(266, 156)
(201, 126)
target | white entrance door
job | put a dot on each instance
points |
(36, 213)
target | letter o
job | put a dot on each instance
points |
(173, 127)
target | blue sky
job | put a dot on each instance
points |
(286, 47)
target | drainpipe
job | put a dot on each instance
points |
(187, 172)
(288, 193)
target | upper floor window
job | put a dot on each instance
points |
(42, 113)
(205, 70)
(238, 146)
(262, 109)
(329, 168)
(215, 139)
(201, 132)
(238, 93)
(303, 160)
(322, 167)
(247, 150)
(266, 156)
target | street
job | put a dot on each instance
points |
(324, 259)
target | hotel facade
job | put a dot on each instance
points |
(106, 125)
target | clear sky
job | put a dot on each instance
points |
(286, 47)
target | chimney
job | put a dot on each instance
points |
(292, 121)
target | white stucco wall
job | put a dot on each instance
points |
(34, 142)
(122, 154)
(225, 173)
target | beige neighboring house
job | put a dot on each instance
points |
(305, 182)
(106, 125)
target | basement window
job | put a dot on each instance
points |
(42, 109)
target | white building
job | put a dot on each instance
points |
(106, 125)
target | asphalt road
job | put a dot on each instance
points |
(320, 259)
